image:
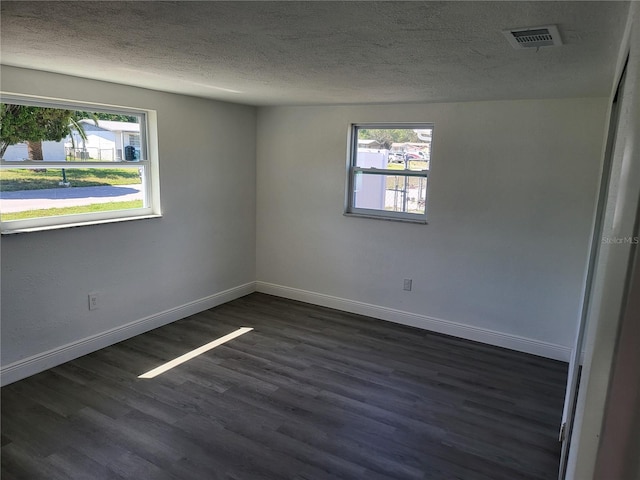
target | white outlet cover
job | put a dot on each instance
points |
(93, 301)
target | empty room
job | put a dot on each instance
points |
(320, 240)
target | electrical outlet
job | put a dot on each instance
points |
(407, 284)
(93, 301)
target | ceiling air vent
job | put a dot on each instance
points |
(533, 37)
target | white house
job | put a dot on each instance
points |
(105, 141)
(100, 143)
(50, 151)
(108, 139)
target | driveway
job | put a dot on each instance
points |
(67, 197)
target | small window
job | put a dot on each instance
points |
(62, 165)
(388, 171)
(134, 140)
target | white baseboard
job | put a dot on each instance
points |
(513, 342)
(42, 361)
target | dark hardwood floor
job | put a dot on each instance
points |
(310, 393)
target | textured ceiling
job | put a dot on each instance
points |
(278, 53)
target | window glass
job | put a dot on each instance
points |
(72, 164)
(388, 171)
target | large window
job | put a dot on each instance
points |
(388, 171)
(62, 164)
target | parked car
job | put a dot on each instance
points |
(396, 157)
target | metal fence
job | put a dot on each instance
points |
(91, 153)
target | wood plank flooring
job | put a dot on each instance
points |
(310, 393)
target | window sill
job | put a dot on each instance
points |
(78, 224)
(389, 219)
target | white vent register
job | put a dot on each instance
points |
(533, 37)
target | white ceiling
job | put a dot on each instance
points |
(282, 53)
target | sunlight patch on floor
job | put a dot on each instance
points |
(194, 353)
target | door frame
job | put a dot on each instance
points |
(575, 362)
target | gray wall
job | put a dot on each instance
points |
(511, 200)
(203, 245)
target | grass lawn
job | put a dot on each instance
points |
(50, 212)
(395, 183)
(15, 179)
(413, 165)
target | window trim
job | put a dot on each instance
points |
(149, 161)
(352, 169)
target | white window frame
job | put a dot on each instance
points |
(149, 162)
(353, 170)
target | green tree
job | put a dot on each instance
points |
(388, 136)
(24, 123)
(115, 117)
